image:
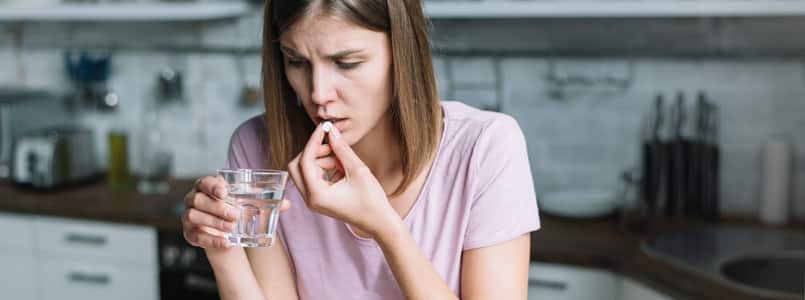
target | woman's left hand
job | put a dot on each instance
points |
(351, 194)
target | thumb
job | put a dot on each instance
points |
(285, 205)
(349, 160)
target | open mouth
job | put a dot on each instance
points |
(334, 121)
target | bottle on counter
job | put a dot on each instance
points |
(118, 175)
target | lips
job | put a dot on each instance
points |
(337, 122)
(334, 120)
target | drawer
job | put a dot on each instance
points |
(18, 276)
(67, 238)
(81, 279)
(18, 233)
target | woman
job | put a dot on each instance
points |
(422, 200)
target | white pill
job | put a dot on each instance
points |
(327, 126)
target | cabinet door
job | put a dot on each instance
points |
(633, 290)
(81, 280)
(117, 243)
(561, 282)
(17, 276)
(18, 233)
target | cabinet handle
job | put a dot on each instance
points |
(549, 284)
(89, 239)
(99, 279)
(200, 283)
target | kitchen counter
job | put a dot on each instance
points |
(603, 244)
(596, 243)
(97, 202)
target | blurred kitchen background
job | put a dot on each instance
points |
(665, 138)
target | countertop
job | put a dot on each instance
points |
(596, 243)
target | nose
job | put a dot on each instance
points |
(323, 86)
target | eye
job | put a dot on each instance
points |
(348, 65)
(296, 62)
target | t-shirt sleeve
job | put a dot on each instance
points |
(504, 205)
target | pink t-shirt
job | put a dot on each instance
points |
(479, 192)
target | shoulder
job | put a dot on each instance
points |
(252, 128)
(248, 143)
(478, 125)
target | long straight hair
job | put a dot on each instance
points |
(416, 112)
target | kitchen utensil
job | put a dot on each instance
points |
(710, 163)
(677, 159)
(17, 108)
(652, 160)
(54, 157)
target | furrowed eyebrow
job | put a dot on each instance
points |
(335, 56)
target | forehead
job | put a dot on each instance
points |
(329, 31)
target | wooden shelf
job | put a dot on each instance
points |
(612, 8)
(125, 12)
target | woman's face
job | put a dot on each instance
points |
(340, 71)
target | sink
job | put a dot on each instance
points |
(767, 273)
(760, 261)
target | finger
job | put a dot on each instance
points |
(324, 150)
(296, 175)
(349, 160)
(188, 198)
(204, 239)
(286, 205)
(311, 174)
(218, 208)
(328, 163)
(195, 218)
(337, 176)
(214, 186)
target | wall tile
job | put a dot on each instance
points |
(472, 71)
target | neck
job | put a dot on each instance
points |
(379, 150)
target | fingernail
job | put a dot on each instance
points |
(219, 192)
(334, 132)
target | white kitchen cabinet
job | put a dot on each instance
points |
(18, 276)
(563, 282)
(85, 279)
(17, 232)
(17, 262)
(46, 258)
(633, 290)
(118, 243)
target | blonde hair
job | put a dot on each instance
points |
(415, 108)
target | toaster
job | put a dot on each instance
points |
(54, 157)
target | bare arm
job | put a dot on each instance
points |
(414, 272)
(494, 272)
(253, 273)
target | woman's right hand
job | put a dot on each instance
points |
(207, 216)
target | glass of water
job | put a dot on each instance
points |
(258, 196)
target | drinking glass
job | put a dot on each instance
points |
(258, 195)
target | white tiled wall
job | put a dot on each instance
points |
(583, 139)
